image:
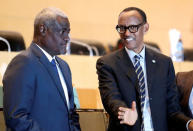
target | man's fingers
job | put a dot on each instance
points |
(120, 117)
(123, 109)
(133, 106)
(122, 122)
(121, 113)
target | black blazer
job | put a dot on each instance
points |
(184, 82)
(33, 96)
(118, 86)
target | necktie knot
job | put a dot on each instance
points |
(137, 57)
(53, 62)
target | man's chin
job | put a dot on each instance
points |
(63, 52)
(130, 45)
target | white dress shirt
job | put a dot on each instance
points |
(60, 75)
(148, 126)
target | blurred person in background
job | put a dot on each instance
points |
(184, 82)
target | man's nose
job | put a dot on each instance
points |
(127, 32)
(67, 37)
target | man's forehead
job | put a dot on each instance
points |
(124, 16)
(63, 20)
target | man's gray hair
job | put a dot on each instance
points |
(48, 18)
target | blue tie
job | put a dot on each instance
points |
(53, 62)
(140, 76)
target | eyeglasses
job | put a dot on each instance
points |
(131, 28)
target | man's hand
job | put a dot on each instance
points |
(128, 115)
(190, 126)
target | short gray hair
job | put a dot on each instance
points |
(48, 17)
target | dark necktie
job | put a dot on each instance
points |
(53, 62)
(140, 76)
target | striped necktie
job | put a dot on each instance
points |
(140, 76)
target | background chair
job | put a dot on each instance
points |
(15, 40)
(188, 54)
(2, 123)
(93, 119)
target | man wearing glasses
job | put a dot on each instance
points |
(137, 84)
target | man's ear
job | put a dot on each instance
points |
(42, 30)
(146, 27)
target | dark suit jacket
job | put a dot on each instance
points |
(184, 82)
(33, 96)
(118, 87)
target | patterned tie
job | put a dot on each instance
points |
(140, 76)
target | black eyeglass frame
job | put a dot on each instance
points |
(129, 28)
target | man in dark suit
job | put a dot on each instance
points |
(184, 81)
(38, 94)
(137, 84)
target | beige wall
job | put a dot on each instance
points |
(96, 19)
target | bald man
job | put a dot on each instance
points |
(38, 93)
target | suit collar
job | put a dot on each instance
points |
(128, 67)
(46, 53)
(151, 63)
(132, 54)
(67, 78)
(45, 62)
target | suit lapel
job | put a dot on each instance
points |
(45, 62)
(64, 70)
(128, 67)
(151, 63)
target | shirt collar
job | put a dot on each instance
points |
(131, 54)
(46, 54)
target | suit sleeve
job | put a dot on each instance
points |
(174, 110)
(19, 91)
(110, 94)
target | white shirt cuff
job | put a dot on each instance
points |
(188, 124)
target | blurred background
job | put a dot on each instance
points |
(95, 20)
(93, 33)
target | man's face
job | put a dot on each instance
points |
(132, 41)
(56, 38)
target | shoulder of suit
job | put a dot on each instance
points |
(158, 55)
(21, 64)
(61, 60)
(111, 56)
(24, 57)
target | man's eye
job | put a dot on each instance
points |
(122, 28)
(133, 27)
(64, 31)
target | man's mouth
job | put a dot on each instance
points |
(129, 39)
(64, 44)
